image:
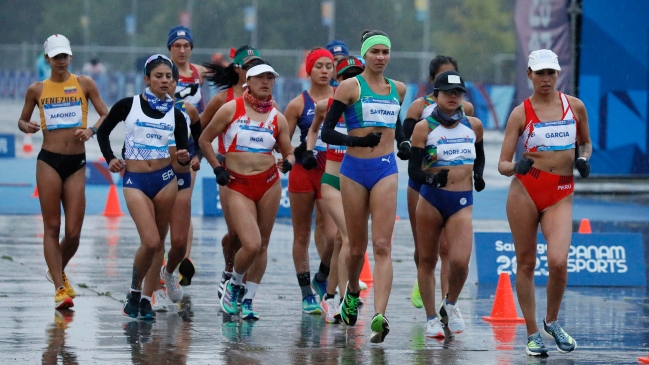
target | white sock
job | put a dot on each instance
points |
(251, 290)
(237, 279)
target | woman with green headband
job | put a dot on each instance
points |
(370, 105)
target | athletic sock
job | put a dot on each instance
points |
(236, 279)
(329, 296)
(251, 290)
(304, 280)
(323, 273)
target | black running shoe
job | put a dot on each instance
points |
(132, 306)
(187, 271)
(146, 312)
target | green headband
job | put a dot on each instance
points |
(373, 41)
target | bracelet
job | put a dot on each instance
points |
(94, 130)
(181, 163)
(583, 158)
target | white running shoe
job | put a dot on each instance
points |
(331, 309)
(160, 301)
(453, 318)
(174, 290)
(362, 284)
(435, 328)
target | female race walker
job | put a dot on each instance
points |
(182, 210)
(60, 170)
(232, 78)
(251, 126)
(368, 173)
(549, 124)
(152, 124)
(447, 154)
(421, 109)
(304, 185)
(331, 198)
(188, 89)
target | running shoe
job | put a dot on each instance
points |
(246, 310)
(174, 291)
(146, 312)
(435, 328)
(62, 300)
(349, 309)
(535, 345)
(310, 305)
(242, 292)
(160, 301)
(320, 287)
(230, 298)
(71, 293)
(564, 342)
(132, 305)
(186, 270)
(415, 296)
(362, 284)
(452, 318)
(224, 278)
(331, 309)
(380, 328)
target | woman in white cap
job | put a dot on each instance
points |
(251, 126)
(553, 129)
(446, 156)
(60, 169)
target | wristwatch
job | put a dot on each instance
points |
(94, 130)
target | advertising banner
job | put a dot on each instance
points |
(598, 259)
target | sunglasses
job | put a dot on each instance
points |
(156, 57)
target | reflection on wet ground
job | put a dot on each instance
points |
(610, 324)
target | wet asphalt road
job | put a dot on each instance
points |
(611, 325)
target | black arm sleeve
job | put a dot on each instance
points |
(398, 131)
(180, 130)
(329, 134)
(414, 165)
(409, 127)
(196, 130)
(478, 164)
(117, 113)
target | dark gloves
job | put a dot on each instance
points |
(370, 140)
(437, 180)
(299, 150)
(404, 150)
(286, 166)
(308, 160)
(523, 166)
(583, 166)
(189, 90)
(222, 175)
(478, 182)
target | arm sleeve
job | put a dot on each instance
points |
(329, 134)
(408, 127)
(414, 165)
(478, 164)
(398, 131)
(180, 130)
(196, 130)
(117, 113)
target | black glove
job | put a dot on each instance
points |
(478, 183)
(308, 160)
(583, 166)
(222, 175)
(299, 150)
(370, 140)
(188, 91)
(287, 166)
(404, 150)
(523, 166)
(437, 180)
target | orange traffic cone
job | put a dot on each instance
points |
(644, 360)
(584, 226)
(504, 308)
(366, 273)
(112, 208)
(28, 147)
(35, 193)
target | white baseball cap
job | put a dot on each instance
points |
(260, 69)
(57, 44)
(543, 59)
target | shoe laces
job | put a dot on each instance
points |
(558, 333)
(235, 293)
(352, 304)
(538, 341)
(246, 304)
